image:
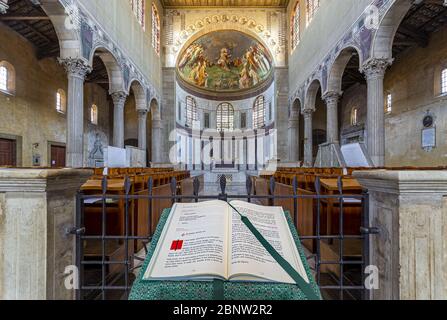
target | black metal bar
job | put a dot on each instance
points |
(127, 186)
(79, 246)
(103, 233)
(341, 231)
(366, 239)
(342, 287)
(150, 184)
(318, 227)
(295, 200)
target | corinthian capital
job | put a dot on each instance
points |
(119, 98)
(374, 67)
(142, 113)
(331, 97)
(76, 67)
(307, 113)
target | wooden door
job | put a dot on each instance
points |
(57, 157)
(7, 152)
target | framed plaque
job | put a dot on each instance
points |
(429, 138)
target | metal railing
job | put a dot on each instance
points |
(101, 287)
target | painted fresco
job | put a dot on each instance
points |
(225, 61)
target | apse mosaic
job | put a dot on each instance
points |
(225, 61)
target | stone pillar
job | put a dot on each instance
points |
(409, 209)
(119, 99)
(37, 209)
(156, 140)
(308, 138)
(142, 128)
(77, 69)
(374, 70)
(331, 99)
(294, 136)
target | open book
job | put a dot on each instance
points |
(208, 240)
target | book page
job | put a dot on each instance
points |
(249, 259)
(193, 243)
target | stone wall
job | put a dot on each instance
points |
(332, 20)
(122, 26)
(414, 82)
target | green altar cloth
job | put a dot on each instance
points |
(206, 290)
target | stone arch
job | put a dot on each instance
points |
(337, 69)
(311, 94)
(382, 42)
(295, 108)
(114, 69)
(66, 22)
(139, 93)
(154, 108)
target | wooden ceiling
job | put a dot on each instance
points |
(31, 22)
(421, 21)
(225, 3)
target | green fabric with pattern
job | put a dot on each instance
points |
(205, 290)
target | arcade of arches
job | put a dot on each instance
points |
(267, 68)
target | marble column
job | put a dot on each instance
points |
(119, 99)
(308, 139)
(156, 140)
(294, 136)
(374, 70)
(331, 99)
(142, 129)
(77, 69)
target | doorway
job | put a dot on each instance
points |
(57, 159)
(8, 149)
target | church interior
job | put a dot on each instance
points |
(112, 111)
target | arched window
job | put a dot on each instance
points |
(191, 111)
(444, 81)
(225, 117)
(295, 26)
(3, 78)
(311, 8)
(138, 9)
(61, 101)
(7, 77)
(259, 113)
(94, 114)
(155, 29)
(354, 116)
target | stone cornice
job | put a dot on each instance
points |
(42, 180)
(403, 182)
